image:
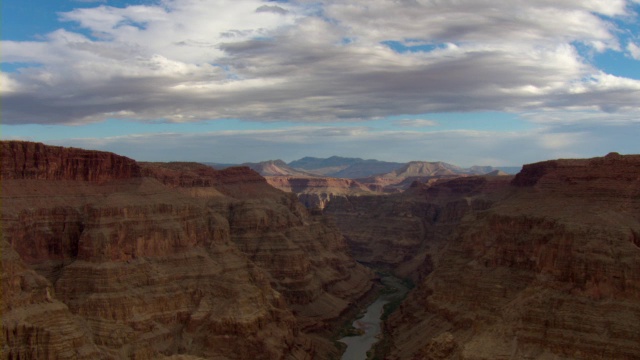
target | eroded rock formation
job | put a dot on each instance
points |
(306, 257)
(107, 258)
(317, 192)
(28, 160)
(547, 267)
(395, 231)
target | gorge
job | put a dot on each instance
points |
(104, 257)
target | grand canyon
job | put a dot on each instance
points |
(104, 257)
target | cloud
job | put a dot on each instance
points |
(415, 123)
(272, 8)
(586, 118)
(460, 147)
(555, 141)
(187, 60)
(634, 50)
(484, 21)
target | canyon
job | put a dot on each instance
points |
(104, 257)
(543, 265)
(107, 258)
(317, 181)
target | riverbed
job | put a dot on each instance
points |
(370, 323)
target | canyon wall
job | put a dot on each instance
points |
(396, 231)
(317, 192)
(28, 160)
(107, 258)
(306, 256)
(547, 267)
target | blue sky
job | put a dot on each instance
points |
(468, 82)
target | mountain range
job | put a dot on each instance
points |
(316, 181)
(355, 168)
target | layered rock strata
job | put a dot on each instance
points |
(545, 268)
(145, 274)
(316, 192)
(28, 160)
(306, 257)
(108, 258)
(396, 231)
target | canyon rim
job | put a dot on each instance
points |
(104, 257)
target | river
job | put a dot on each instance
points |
(370, 323)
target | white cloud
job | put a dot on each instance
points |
(587, 118)
(556, 141)
(8, 84)
(479, 20)
(634, 50)
(415, 123)
(183, 30)
(189, 60)
(460, 147)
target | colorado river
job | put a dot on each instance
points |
(370, 323)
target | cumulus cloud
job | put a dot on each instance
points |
(188, 60)
(480, 20)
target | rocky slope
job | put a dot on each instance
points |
(277, 168)
(315, 192)
(107, 258)
(401, 178)
(547, 267)
(395, 231)
(306, 257)
(318, 181)
(341, 167)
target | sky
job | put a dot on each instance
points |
(469, 82)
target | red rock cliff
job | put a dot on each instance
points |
(595, 172)
(27, 160)
(306, 258)
(396, 230)
(161, 260)
(548, 269)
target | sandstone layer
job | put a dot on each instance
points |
(306, 257)
(316, 188)
(396, 231)
(107, 258)
(547, 267)
(317, 192)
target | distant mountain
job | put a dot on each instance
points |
(341, 167)
(424, 171)
(313, 190)
(350, 168)
(481, 169)
(497, 172)
(277, 168)
(424, 168)
(507, 170)
(317, 181)
(510, 170)
(312, 163)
